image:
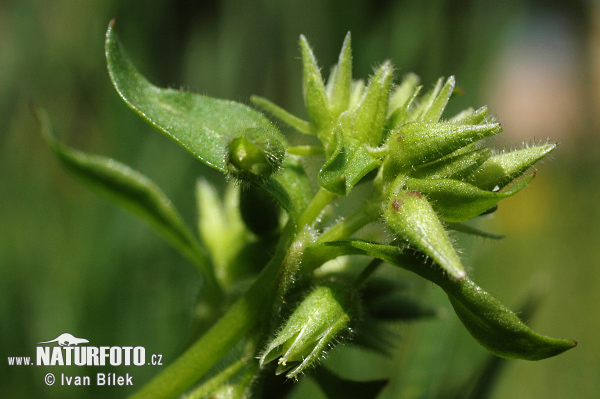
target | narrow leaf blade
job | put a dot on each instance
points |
(130, 189)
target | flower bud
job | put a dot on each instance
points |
(418, 143)
(321, 319)
(411, 218)
(254, 155)
(457, 201)
(501, 169)
(372, 112)
(454, 166)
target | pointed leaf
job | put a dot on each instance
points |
(456, 201)
(131, 190)
(202, 125)
(493, 325)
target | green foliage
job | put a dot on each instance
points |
(422, 171)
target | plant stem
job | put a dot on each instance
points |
(314, 209)
(351, 224)
(245, 313)
(217, 380)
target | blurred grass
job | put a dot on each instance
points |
(70, 262)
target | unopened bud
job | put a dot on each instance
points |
(254, 155)
(410, 216)
(321, 319)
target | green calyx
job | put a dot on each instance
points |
(317, 324)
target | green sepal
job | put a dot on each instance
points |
(470, 116)
(315, 326)
(457, 201)
(454, 166)
(501, 169)
(131, 190)
(291, 120)
(411, 218)
(402, 94)
(315, 95)
(400, 116)
(492, 324)
(434, 112)
(202, 125)
(339, 85)
(418, 143)
(371, 114)
(347, 165)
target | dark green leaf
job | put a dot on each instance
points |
(202, 125)
(493, 325)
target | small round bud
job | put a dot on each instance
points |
(255, 154)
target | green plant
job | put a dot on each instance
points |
(425, 176)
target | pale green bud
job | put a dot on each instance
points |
(317, 324)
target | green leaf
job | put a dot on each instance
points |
(457, 201)
(202, 125)
(492, 324)
(501, 169)
(130, 189)
(348, 164)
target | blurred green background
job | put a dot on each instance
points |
(71, 262)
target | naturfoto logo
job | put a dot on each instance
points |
(68, 353)
(69, 350)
